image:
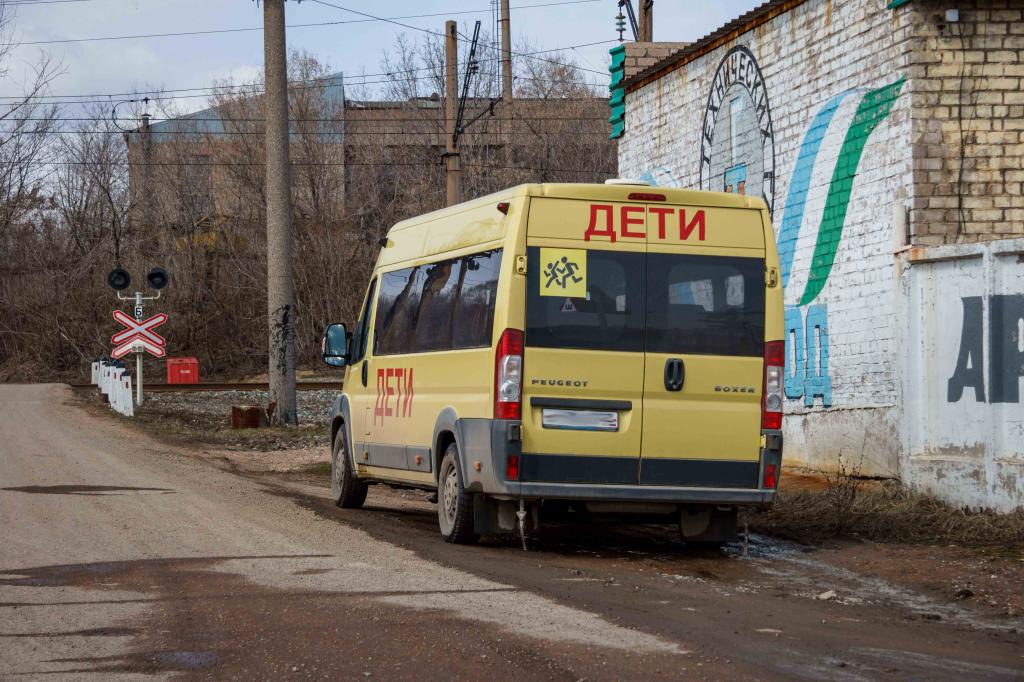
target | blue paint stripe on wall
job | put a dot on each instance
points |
(800, 183)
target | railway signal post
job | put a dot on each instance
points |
(138, 336)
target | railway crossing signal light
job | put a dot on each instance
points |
(157, 278)
(119, 279)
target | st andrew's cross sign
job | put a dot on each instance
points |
(139, 335)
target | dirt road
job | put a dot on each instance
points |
(121, 557)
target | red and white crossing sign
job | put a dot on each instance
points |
(139, 335)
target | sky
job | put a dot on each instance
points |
(110, 67)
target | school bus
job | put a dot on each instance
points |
(585, 348)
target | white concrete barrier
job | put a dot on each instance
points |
(114, 383)
(121, 396)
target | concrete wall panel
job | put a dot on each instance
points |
(963, 413)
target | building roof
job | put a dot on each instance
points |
(724, 34)
(210, 122)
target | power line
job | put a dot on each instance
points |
(531, 55)
(211, 90)
(435, 33)
(327, 133)
(388, 121)
(384, 19)
(237, 164)
(260, 28)
(19, 3)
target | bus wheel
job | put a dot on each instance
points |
(454, 504)
(347, 490)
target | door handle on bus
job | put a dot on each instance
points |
(365, 376)
(675, 374)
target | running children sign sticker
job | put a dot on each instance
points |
(563, 273)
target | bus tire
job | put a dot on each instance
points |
(454, 504)
(347, 490)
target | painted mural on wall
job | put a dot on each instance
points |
(807, 345)
(737, 143)
(738, 155)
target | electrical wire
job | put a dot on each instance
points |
(236, 164)
(96, 119)
(304, 133)
(464, 37)
(290, 26)
(210, 90)
(21, 3)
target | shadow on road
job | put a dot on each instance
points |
(83, 489)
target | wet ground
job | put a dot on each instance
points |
(127, 557)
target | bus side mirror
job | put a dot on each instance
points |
(334, 345)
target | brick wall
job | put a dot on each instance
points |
(849, 126)
(821, 127)
(968, 85)
(640, 56)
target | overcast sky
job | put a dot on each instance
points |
(195, 61)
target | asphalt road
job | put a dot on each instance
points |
(121, 557)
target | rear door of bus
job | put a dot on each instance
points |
(705, 325)
(584, 347)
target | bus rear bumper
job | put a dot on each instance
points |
(646, 493)
(487, 445)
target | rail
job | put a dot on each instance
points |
(232, 386)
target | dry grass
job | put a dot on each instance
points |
(883, 511)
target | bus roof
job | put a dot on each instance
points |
(593, 192)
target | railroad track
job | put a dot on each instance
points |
(231, 386)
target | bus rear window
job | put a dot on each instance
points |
(659, 303)
(609, 317)
(705, 305)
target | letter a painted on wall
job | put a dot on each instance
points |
(969, 371)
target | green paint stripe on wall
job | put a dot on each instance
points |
(871, 111)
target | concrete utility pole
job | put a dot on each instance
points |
(506, 55)
(280, 276)
(506, 78)
(451, 103)
(646, 21)
(146, 190)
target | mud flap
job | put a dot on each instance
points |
(495, 517)
(708, 524)
(487, 517)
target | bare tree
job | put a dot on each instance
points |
(359, 165)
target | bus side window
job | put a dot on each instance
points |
(397, 306)
(437, 301)
(362, 329)
(473, 321)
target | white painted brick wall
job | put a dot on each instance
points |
(807, 56)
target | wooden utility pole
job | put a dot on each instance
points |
(646, 21)
(451, 103)
(280, 276)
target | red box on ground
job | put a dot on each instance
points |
(182, 370)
